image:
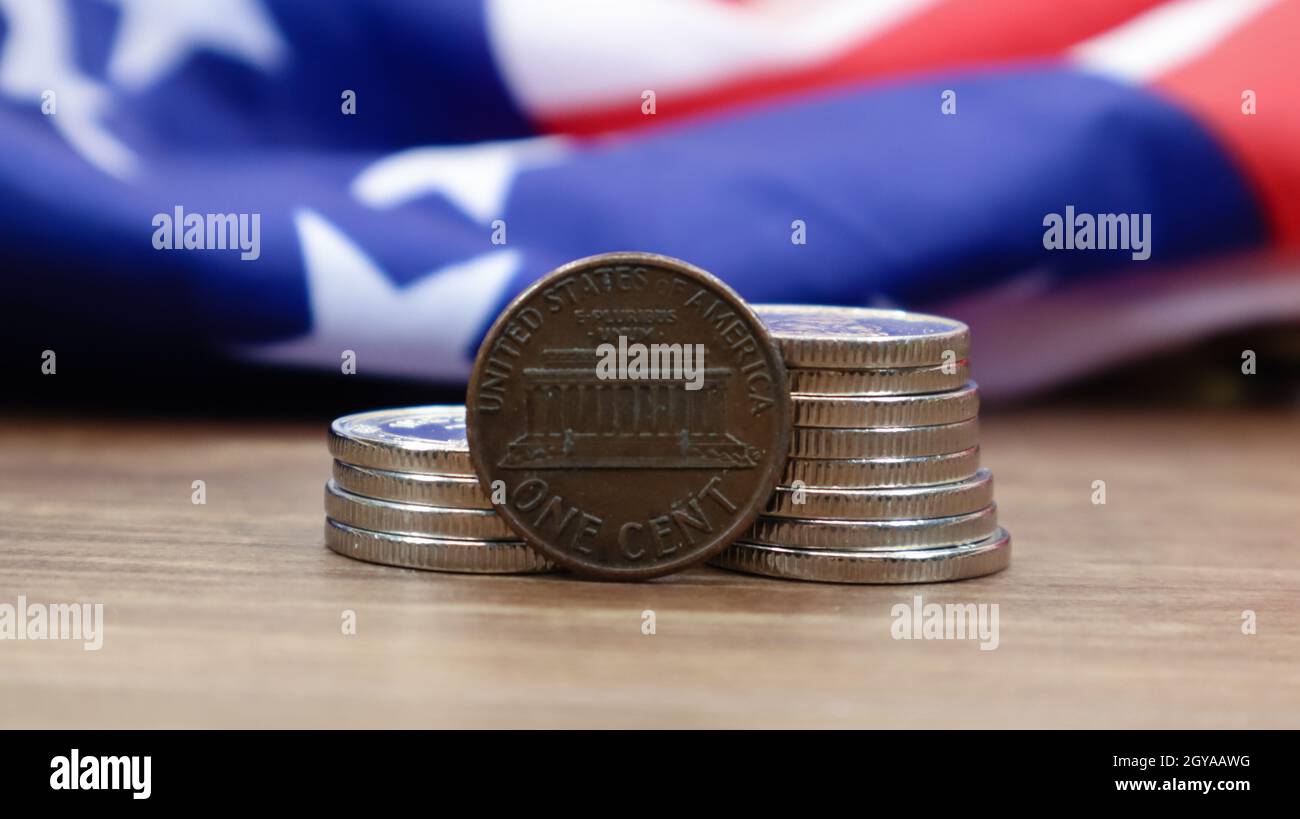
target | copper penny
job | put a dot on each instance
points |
(629, 415)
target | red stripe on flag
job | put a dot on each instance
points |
(950, 34)
(1261, 56)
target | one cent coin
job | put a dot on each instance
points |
(628, 415)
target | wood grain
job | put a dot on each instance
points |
(228, 614)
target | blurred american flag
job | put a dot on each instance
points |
(413, 165)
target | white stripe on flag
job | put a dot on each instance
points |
(559, 56)
(1165, 37)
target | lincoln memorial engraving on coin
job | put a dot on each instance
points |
(640, 471)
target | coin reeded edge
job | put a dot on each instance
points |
(455, 491)
(883, 411)
(890, 503)
(879, 382)
(819, 443)
(412, 518)
(882, 473)
(434, 554)
(433, 460)
(850, 351)
(934, 565)
(874, 535)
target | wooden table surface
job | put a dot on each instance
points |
(1127, 614)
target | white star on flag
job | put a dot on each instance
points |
(424, 328)
(155, 37)
(420, 330)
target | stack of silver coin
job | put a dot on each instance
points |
(403, 493)
(883, 483)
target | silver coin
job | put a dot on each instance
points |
(458, 491)
(434, 554)
(910, 566)
(414, 519)
(886, 442)
(894, 503)
(429, 439)
(874, 473)
(857, 338)
(877, 535)
(904, 381)
(869, 411)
